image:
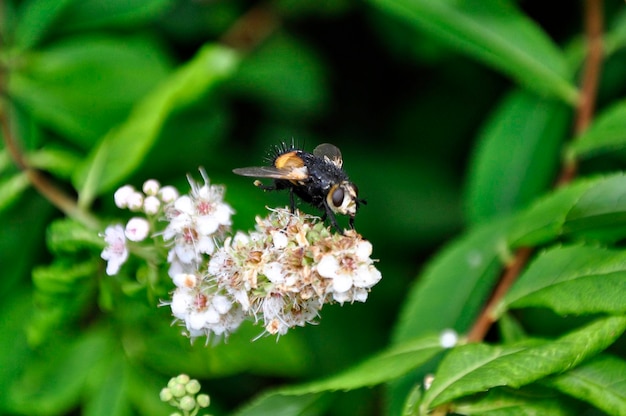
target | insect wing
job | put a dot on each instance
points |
(329, 152)
(296, 174)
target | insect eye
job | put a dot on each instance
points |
(337, 197)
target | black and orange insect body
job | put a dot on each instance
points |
(317, 178)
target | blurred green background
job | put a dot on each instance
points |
(406, 108)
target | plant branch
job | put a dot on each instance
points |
(590, 79)
(251, 29)
(40, 182)
(593, 22)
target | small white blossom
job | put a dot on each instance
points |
(151, 187)
(151, 205)
(115, 253)
(168, 194)
(121, 196)
(188, 280)
(137, 229)
(135, 201)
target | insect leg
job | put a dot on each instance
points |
(292, 202)
(331, 217)
(260, 185)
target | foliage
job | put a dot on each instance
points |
(455, 118)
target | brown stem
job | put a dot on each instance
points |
(40, 182)
(590, 79)
(251, 29)
(486, 318)
(584, 115)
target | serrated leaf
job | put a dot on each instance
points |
(509, 402)
(474, 368)
(69, 236)
(497, 34)
(517, 156)
(383, 367)
(58, 83)
(454, 284)
(36, 18)
(600, 212)
(572, 280)
(63, 291)
(543, 221)
(121, 151)
(600, 381)
(274, 404)
(606, 134)
(380, 368)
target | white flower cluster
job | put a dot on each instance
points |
(280, 275)
(285, 271)
(194, 222)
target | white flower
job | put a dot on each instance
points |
(351, 271)
(151, 187)
(274, 272)
(203, 314)
(196, 220)
(115, 253)
(137, 229)
(135, 201)
(168, 194)
(280, 239)
(188, 280)
(151, 205)
(121, 196)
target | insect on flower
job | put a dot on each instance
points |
(317, 178)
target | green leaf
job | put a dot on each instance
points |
(383, 367)
(455, 284)
(600, 212)
(63, 292)
(65, 85)
(275, 404)
(600, 381)
(69, 236)
(36, 18)
(509, 402)
(56, 160)
(54, 382)
(474, 368)
(543, 221)
(607, 133)
(572, 280)
(109, 394)
(96, 14)
(380, 368)
(517, 157)
(15, 353)
(122, 150)
(11, 188)
(495, 33)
